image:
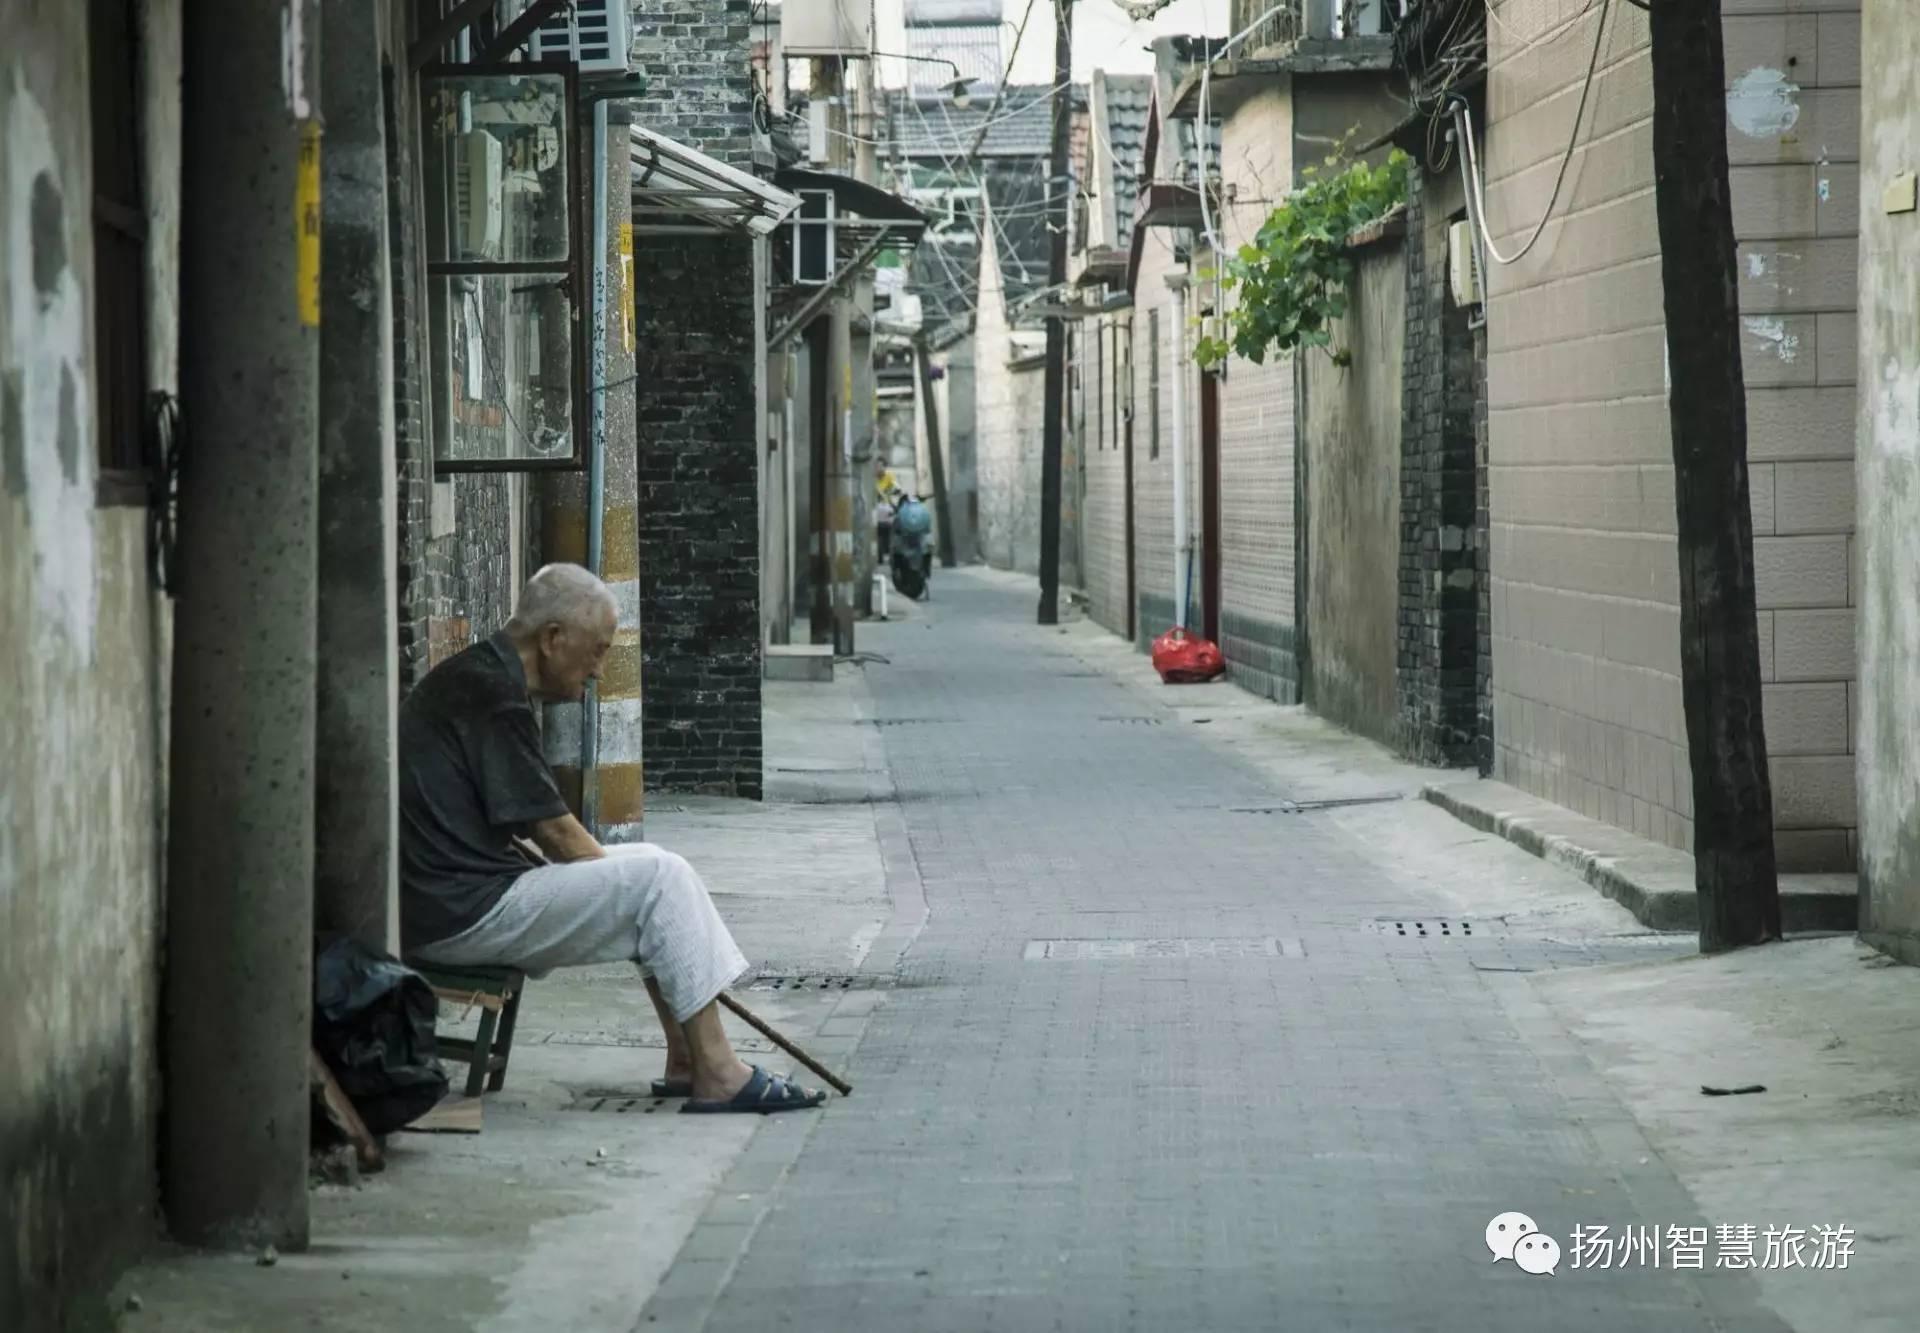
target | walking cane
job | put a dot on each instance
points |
(773, 1035)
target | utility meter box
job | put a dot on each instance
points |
(1463, 265)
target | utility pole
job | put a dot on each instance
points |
(1735, 873)
(238, 988)
(834, 554)
(1058, 168)
(936, 462)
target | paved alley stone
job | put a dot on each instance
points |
(1154, 1063)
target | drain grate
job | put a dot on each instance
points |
(1308, 807)
(1134, 721)
(819, 981)
(619, 1101)
(1423, 930)
(648, 1042)
(911, 721)
(1075, 951)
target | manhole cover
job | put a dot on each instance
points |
(819, 981)
(1429, 929)
(1103, 950)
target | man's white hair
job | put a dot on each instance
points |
(565, 595)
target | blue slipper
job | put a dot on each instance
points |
(765, 1093)
(672, 1087)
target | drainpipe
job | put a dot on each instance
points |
(596, 462)
(1182, 544)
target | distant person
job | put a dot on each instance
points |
(473, 777)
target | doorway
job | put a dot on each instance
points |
(1210, 506)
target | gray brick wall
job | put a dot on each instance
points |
(698, 516)
(698, 457)
(694, 56)
(1444, 715)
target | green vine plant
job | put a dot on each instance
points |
(1294, 279)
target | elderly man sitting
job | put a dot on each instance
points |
(472, 778)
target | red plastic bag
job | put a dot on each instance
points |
(1185, 659)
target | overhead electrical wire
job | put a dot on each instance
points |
(1470, 158)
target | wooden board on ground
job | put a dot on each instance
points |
(456, 1114)
(342, 1115)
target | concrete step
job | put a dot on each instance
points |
(800, 661)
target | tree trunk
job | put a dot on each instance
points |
(1719, 640)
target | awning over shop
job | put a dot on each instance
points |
(855, 221)
(867, 202)
(679, 189)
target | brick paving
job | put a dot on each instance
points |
(1311, 1135)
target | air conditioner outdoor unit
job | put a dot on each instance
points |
(596, 35)
(478, 194)
(1463, 265)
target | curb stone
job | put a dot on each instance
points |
(1655, 883)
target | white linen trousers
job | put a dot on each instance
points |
(641, 904)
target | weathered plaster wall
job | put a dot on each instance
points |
(1888, 733)
(1585, 610)
(81, 646)
(1153, 463)
(1352, 448)
(1007, 416)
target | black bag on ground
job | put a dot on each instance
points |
(373, 1020)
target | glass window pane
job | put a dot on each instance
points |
(503, 369)
(497, 155)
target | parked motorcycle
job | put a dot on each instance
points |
(911, 553)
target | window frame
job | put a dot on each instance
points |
(575, 274)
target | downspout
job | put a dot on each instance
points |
(1182, 555)
(596, 463)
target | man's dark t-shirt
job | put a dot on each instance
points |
(471, 774)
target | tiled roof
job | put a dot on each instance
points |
(1022, 125)
(1128, 98)
(1021, 239)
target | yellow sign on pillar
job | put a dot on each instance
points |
(626, 285)
(306, 224)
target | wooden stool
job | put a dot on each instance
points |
(496, 992)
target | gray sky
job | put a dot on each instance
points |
(1103, 36)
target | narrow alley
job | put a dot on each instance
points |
(1165, 1055)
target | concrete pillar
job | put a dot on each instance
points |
(356, 820)
(1887, 735)
(620, 804)
(239, 976)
